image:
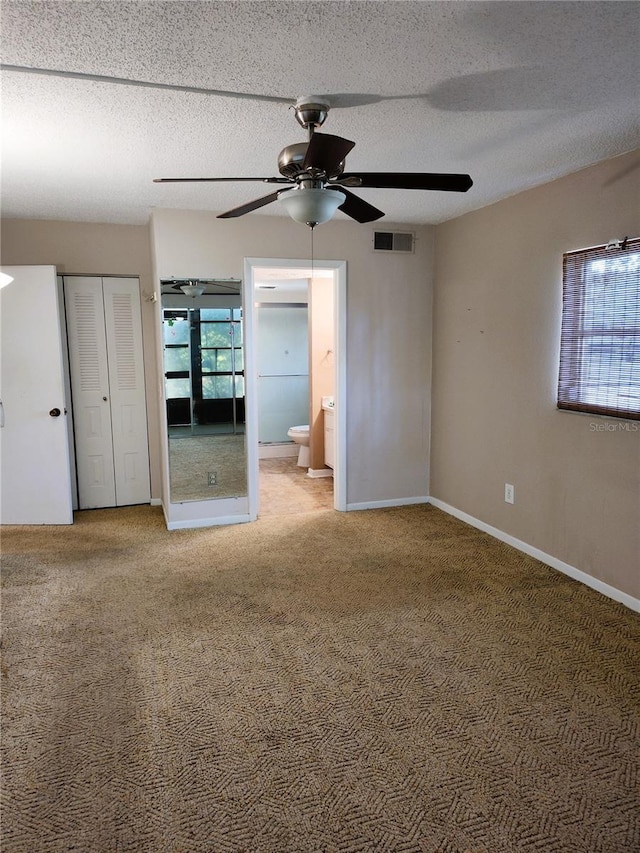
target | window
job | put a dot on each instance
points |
(600, 345)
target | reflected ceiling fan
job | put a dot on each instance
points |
(197, 286)
(317, 182)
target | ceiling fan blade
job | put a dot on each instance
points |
(359, 209)
(145, 84)
(326, 152)
(410, 181)
(211, 180)
(249, 206)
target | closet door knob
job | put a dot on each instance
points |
(105, 399)
(55, 413)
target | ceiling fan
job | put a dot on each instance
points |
(317, 182)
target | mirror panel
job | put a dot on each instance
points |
(203, 364)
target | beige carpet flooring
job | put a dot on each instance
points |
(390, 680)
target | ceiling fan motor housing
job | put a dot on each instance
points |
(291, 161)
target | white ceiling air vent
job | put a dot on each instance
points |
(393, 241)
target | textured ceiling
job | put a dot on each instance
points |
(515, 94)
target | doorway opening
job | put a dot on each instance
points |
(295, 374)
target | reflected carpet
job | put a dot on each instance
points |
(193, 457)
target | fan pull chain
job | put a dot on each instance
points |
(312, 230)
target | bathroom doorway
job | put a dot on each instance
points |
(295, 323)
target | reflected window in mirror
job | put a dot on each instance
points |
(204, 394)
(204, 369)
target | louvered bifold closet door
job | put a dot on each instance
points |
(123, 325)
(107, 384)
(90, 391)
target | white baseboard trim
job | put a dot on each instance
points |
(391, 502)
(314, 473)
(604, 588)
(156, 502)
(188, 524)
(208, 522)
(273, 451)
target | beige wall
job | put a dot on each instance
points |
(388, 323)
(388, 330)
(95, 249)
(497, 314)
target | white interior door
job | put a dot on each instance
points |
(107, 381)
(34, 452)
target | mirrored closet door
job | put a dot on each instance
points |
(203, 360)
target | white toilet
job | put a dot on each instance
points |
(300, 434)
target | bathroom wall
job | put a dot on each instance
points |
(388, 359)
(322, 361)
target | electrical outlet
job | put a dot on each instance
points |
(213, 478)
(509, 493)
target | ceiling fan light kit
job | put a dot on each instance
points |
(311, 206)
(192, 290)
(316, 170)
